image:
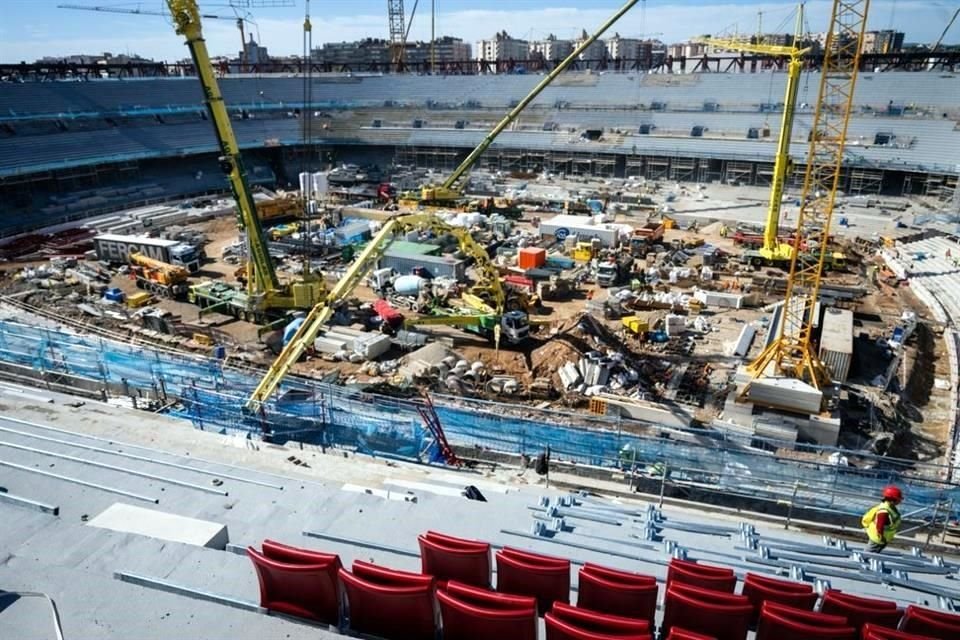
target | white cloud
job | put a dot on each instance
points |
(153, 37)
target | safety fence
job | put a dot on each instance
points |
(211, 394)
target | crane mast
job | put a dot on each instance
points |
(186, 18)
(792, 353)
(264, 290)
(772, 249)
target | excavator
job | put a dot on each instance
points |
(265, 296)
(488, 296)
(158, 277)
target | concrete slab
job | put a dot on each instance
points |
(165, 526)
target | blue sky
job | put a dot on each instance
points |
(34, 28)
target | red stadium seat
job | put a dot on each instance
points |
(677, 633)
(397, 605)
(859, 611)
(558, 629)
(597, 622)
(303, 585)
(449, 558)
(806, 617)
(486, 615)
(780, 622)
(687, 572)
(294, 555)
(529, 574)
(936, 624)
(874, 632)
(390, 577)
(760, 589)
(774, 626)
(489, 599)
(617, 592)
(722, 615)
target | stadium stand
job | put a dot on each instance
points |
(906, 123)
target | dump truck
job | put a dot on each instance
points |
(651, 232)
(116, 249)
(615, 271)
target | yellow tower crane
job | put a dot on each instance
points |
(773, 251)
(792, 352)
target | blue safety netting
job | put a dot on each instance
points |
(212, 397)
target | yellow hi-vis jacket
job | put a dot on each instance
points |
(869, 522)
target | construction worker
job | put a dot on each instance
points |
(883, 521)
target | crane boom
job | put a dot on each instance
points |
(772, 249)
(448, 186)
(186, 18)
(489, 285)
(792, 352)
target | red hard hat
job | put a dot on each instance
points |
(893, 493)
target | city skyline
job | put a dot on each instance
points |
(36, 28)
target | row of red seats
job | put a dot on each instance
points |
(703, 598)
(612, 604)
(699, 597)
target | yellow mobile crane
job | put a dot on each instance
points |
(773, 251)
(264, 291)
(793, 352)
(158, 277)
(488, 291)
(487, 298)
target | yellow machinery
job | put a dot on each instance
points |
(773, 251)
(265, 292)
(140, 299)
(792, 353)
(156, 276)
(287, 206)
(489, 289)
(487, 297)
(449, 194)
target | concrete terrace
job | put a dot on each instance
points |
(237, 483)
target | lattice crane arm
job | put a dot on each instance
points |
(793, 351)
(186, 18)
(474, 155)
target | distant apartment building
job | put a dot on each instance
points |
(377, 51)
(596, 52)
(885, 41)
(623, 48)
(550, 48)
(503, 47)
(687, 50)
(253, 53)
(364, 52)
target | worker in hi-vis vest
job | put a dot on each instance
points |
(883, 521)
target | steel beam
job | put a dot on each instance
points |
(101, 465)
(83, 483)
(19, 501)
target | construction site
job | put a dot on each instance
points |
(728, 297)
